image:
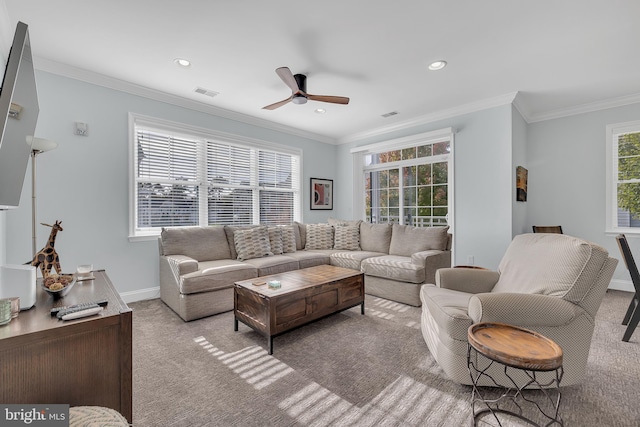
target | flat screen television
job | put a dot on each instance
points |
(18, 117)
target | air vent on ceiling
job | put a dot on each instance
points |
(207, 92)
(392, 113)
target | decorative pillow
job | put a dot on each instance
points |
(275, 240)
(347, 238)
(288, 238)
(252, 243)
(319, 236)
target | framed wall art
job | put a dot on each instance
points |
(521, 184)
(321, 194)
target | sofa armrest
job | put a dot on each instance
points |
(524, 310)
(181, 264)
(469, 280)
(432, 260)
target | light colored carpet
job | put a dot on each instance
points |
(346, 369)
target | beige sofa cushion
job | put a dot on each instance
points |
(273, 264)
(300, 231)
(310, 258)
(570, 264)
(199, 243)
(351, 259)
(252, 243)
(407, 240)
(394, 267)
(375, 237)
(214, 275)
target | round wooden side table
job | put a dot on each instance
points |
(527, 352)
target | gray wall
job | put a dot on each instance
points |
(84, 182)
(519, 147)
(567, 178)
(483, 181)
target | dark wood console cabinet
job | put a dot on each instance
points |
(79, 362)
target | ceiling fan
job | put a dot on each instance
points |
(299, 95)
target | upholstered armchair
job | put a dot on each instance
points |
(550, 283)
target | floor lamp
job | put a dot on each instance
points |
(38, 146)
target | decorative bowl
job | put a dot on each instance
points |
(50, 284)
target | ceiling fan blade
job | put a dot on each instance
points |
(287, 77)
(278, 104)
(332, 99)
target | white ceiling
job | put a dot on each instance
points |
(561, 57)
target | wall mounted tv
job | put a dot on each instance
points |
(18, 117)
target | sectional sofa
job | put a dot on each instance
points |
(199, 265)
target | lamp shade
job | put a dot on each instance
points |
(40, 144)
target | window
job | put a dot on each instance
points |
(186, 177)
(623, 177)
(407, 181)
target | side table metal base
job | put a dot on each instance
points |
(512, 400)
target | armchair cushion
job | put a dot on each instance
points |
(449, 310)
(525, 310)
(469, 280)
(570, 265)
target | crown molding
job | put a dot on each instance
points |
(91, 77)
(432, 117)
(6, 32)
(620, 101)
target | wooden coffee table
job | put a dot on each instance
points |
(305, 296)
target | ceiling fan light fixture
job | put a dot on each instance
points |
(437, 65)
(299, 99)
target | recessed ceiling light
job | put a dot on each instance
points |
(320, 110)
(437, 65)
(182, 62)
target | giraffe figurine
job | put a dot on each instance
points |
(47, 258)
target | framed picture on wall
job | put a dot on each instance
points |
(321, 194)
(521, 184)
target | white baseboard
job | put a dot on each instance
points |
(141, 295)
(622, 285)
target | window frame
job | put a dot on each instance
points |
(426, 138)
(612, 132)
(194, 132)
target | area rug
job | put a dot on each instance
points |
(347, 369)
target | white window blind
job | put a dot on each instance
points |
(198, 179)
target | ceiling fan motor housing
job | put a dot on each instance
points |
(301, 79)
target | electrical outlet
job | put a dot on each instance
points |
(470, 260)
